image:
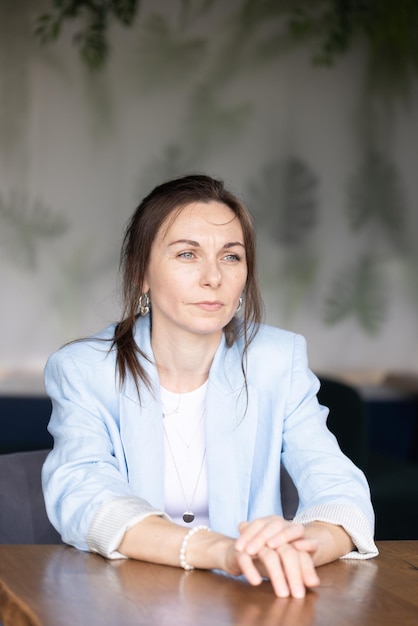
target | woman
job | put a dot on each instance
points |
(177, 418)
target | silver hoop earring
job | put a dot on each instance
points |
(240, 302)
(144, 304)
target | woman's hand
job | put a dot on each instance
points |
(274, 548)
(269, 547)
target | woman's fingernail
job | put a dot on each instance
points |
(283, 592)
(299, 592)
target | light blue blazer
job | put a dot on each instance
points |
(107, 444)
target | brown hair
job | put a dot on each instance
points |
(140, 234)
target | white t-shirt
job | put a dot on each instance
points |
(185, 473)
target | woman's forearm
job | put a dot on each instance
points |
(290, 569)
(333, 541)
(158, 540)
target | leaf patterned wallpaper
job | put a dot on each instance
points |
(329, 172)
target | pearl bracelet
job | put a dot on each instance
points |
(184, 564)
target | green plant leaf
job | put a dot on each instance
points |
(125, 10)
(389, 30)
(359, 291)
(285, 196)
(47, 28)
(376, 198)
(91, 39)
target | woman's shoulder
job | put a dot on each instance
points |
(84, 369)
(272, 338)
(274, 352)
(91, 350)
(273, 358)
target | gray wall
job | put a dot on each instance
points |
(308, 148)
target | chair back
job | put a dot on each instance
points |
(347, 419)
(23, 518)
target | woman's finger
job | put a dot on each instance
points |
(250, 530)
(263, 531)
(269, 562)
(290, 571)
(309, 573)
(288, 534)
(306, 545)
(248, 568)
(291, 564)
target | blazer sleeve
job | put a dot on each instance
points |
(86, 489)
(330, 487)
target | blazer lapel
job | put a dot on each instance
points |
(141, 429)
(231, 427)
(142, 436)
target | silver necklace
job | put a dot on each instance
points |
(187, 444)
(188, 515)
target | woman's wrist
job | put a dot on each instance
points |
(184, 563)
(208, 550)
(333, 541)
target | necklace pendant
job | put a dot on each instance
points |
(188, 517)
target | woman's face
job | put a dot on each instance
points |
(197, 270)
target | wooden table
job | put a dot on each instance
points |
(60, 586)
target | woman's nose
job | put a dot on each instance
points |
(211, 274)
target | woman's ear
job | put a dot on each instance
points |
(145, 286)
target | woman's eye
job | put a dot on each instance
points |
(186, 255)
(232, 257)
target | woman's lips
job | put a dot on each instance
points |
(209, 306)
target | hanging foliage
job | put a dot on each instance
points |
(389, 30)
(91, 39)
